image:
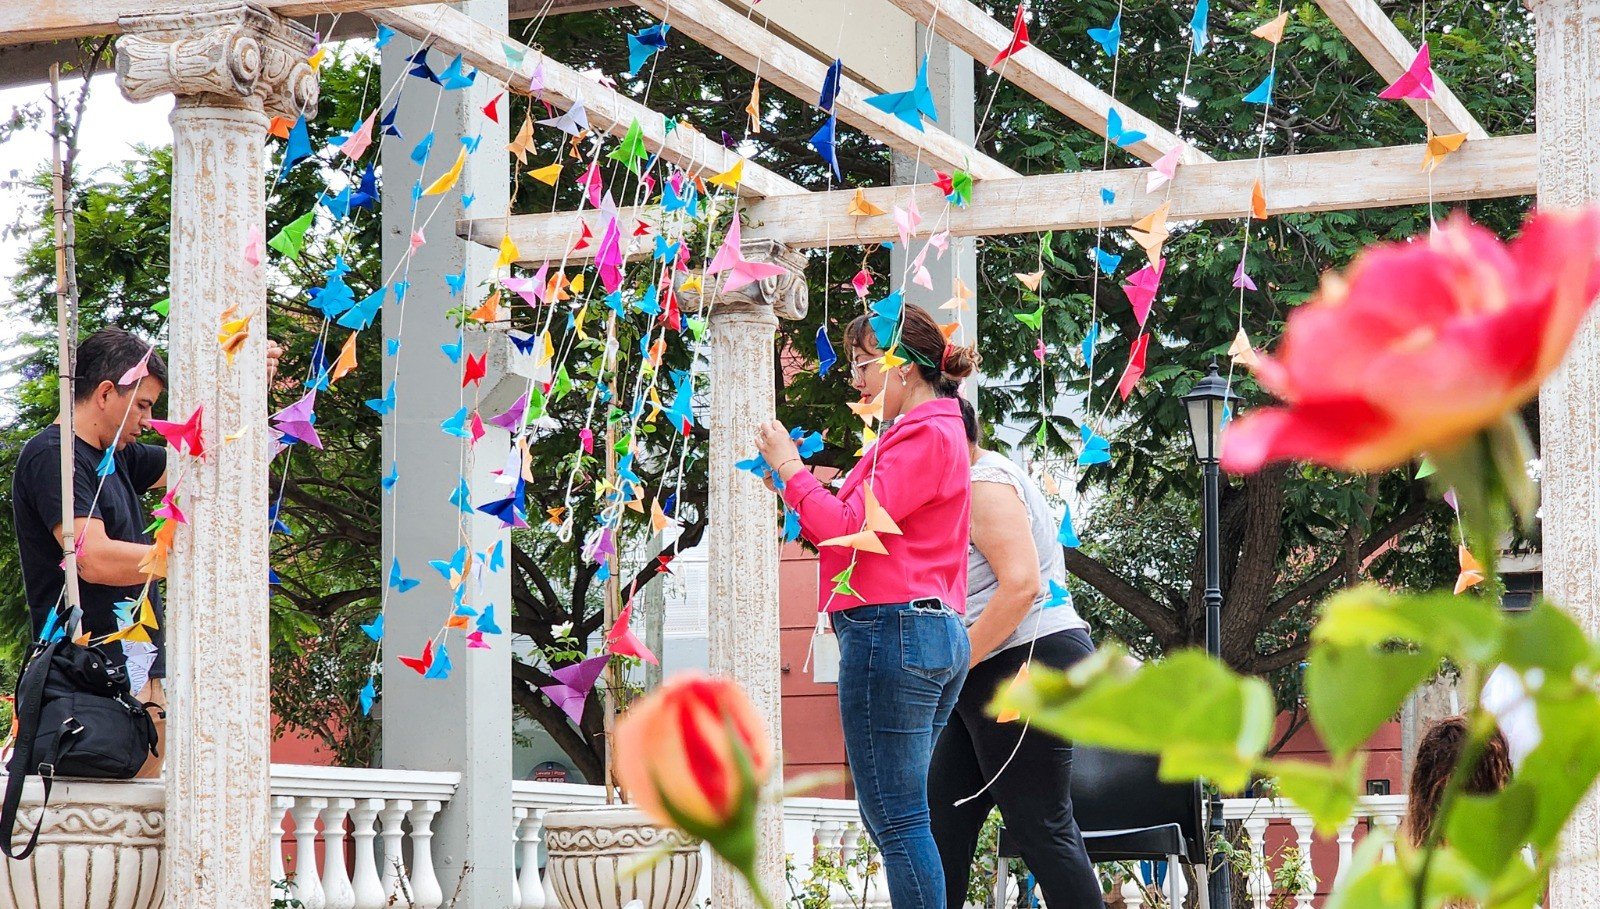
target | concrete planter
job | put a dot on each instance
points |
(590, 850)
(103, 844)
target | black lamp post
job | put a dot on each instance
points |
(1206, 405)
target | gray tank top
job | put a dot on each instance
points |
(1043, 525)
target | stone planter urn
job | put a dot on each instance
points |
(102, 845)
(590, 850)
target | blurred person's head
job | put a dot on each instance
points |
(1437, 756)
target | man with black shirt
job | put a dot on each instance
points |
(112, 470)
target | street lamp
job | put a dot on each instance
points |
(1207, 405)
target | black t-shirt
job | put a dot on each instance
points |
(36, 505)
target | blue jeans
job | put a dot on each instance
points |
(900, 670)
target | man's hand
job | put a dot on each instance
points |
(274, 352)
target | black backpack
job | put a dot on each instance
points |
(75, 717)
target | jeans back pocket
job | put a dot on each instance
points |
(928, 647)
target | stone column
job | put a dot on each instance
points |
(231, 67)
(463, 722)
(1569, 405)
(742, 560)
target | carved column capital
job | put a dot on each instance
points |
(784, 296)
(237, 51)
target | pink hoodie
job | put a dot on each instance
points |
(920, 475)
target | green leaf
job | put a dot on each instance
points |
(1465, 629)
(1327, 792)
(1547, 638)
(1488, 830)
(1564, 764)
(1201, 718)
(1351, 691)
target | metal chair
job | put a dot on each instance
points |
(1127, 814)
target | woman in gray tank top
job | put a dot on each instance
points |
(1018, 611)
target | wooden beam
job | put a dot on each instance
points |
(25, 21)
(1374, 34)
(480, 46)
(713, 25)
(1327, 181)
(1035, 72)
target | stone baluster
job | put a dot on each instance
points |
(367, 882)
(232, 66)
(278, 806)
(742, 581)
(1132, 894)
(1390, 824)
(518, 817)
(1307, 891)
(425, 890)
(395, 883)
(336, 889)
(307, 880)
(830, 841)
(1347, 848)
(532, 888)
(850, 847)
(1260, 881)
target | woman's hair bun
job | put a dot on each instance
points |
(961, 360)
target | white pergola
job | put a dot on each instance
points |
(233, 65)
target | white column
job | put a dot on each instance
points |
(742, 561)
(230, 67)
(463, 722)
(1569, 405)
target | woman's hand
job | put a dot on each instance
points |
(777, 449)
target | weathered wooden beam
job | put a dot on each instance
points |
(1375, 36)
(25, 21)
(1327, 181)
(481, 46)
(715, 26)
(1035, 72)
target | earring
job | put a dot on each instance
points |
(902, 380)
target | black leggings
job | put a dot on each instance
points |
(1033, 793)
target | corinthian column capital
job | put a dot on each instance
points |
(782, 297)
(237, 52)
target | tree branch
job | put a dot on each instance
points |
(1161, 621)
(1414, 514)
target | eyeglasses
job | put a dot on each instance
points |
(856, 367)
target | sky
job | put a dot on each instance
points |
(112, 126)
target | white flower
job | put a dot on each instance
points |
(563, 630)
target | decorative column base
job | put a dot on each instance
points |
(103, 844)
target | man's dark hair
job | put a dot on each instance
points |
(109, 353)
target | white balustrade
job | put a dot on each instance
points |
(1259, 815)
(350, 804)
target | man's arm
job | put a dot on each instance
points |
(102, 560)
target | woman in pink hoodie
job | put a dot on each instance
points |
(897, 531)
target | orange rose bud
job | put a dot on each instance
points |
(681, 747)
(694, 755)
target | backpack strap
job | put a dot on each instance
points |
(29, 704)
